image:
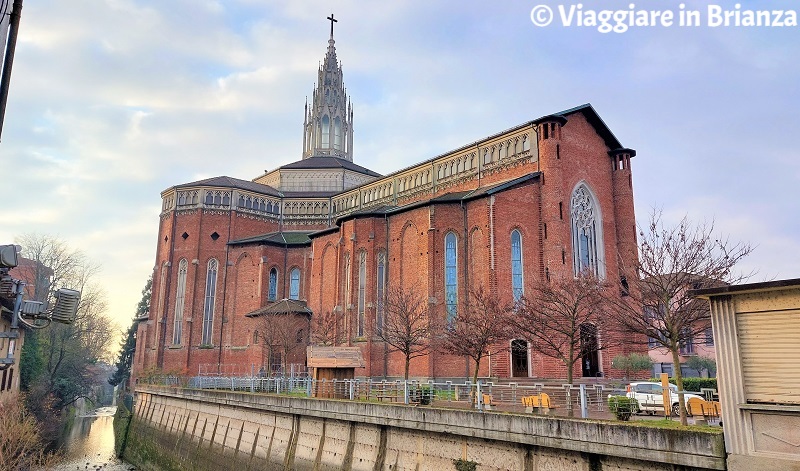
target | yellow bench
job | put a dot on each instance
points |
(487, 401)
(541, 402)
(706, 409)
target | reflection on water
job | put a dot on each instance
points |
(89, 445)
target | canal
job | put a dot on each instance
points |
(89, 443)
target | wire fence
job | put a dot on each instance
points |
(582, 400)
(234, 370)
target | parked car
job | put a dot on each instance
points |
(651, 399)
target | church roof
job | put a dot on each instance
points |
(501, 186)
(311, 194)
(377, 210)
(284, 306)
(587, 109)
(276, 238)
(230, 182)
(594, 119)
(327, 162)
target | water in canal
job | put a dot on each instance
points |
(89, 444)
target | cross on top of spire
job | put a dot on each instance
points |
(333, 20)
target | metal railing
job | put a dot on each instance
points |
(586, 401)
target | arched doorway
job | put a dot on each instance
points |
(519, 358)
(590, 358)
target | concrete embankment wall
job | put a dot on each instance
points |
(211, 430)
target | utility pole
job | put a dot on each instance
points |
(5, 80)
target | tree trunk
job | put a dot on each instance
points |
(570, 365)
(477, 369)
(676, 368)
(408, 363)
(474, 396)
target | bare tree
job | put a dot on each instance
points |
(326, 328)
(672, 261)
(562, 317)
(482, 324)
(408, 326)
(54, 265)
(59, 359)
(284, 335)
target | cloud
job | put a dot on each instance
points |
(113, 101)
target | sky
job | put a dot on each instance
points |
(113, 101)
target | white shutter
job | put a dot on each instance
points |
(770, 349)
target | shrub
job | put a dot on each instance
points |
(422, 394)
(464, 465)
(695, 384)
(21, 445)
(632, 363)
(622, 406)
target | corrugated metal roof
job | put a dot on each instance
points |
(334, 357)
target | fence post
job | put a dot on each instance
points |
(479, 396)
(277, 385)
(405, 391)
(568, 395)
(598, 388)
(308, 386)
(584, 407)
(352, 389)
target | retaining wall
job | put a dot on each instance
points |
(210, 430)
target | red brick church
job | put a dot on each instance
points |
(549, 197)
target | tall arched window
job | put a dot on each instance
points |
(162, 287)
(380, 275)
(346, 276)
(337, 133)
(326, 131)
(516, 265)
(294, 284)
(272, 291)
(208, 306)
(587, 236)
(362, 290)
(450, 275)
(180, 296)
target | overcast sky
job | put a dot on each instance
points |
(113, 101)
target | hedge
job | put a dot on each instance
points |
(693, 384)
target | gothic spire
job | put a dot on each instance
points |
(328, 130)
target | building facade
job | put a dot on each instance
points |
(550, 197)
